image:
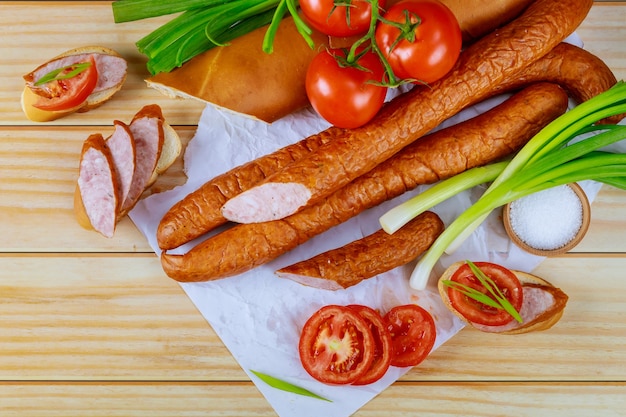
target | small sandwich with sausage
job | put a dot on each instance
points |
(494, 299)
(78, 80)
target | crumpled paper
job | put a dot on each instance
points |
(258, 316)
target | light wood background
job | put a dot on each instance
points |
(92, 327)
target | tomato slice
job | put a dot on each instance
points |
(382, 345)
(477, 312)
(336, 345)
(413, 334)
(71, 92)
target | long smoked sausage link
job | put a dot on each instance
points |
(485, 138)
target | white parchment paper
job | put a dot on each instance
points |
(258, 316)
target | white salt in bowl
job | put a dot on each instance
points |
(549, 222)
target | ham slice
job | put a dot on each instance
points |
(122, 146)
(98, 185)
(147, 130)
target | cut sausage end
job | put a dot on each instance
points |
(266, 202)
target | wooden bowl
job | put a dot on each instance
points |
(586, 218)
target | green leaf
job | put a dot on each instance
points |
(57, 74)
(286, 386)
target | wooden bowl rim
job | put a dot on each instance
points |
(586, 207)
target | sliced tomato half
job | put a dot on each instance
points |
(336, 345)
(382, 345)
(480, 313)
(67, 93)
(413, 334)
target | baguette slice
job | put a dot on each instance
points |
(112, 72)
(542, 307)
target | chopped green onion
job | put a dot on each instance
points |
(498, 301)
(547, 160)
(286, 386)
(57, 74)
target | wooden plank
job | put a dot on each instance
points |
(182, 399)
(97, 317)
(43, 34)
(39, 169)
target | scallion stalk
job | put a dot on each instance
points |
(403, 213)
(204, 24)
(131, 10)
(546, 161)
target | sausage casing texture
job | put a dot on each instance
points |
(492, 60)
(480, 140)
(365, 258)
(199, 212)
(582, 74)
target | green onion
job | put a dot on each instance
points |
(57, 74)
(204, 24)
(400, 215)
(546, 161)
(286, 386)
(131, 10)
(497, 299)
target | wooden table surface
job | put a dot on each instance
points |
(92, 327)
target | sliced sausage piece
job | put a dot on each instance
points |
(485, 138)
(147, 130)
(200, 211)
(540, 303)
(122, 146)
(497, 57)
(365, 258)
(98, 186)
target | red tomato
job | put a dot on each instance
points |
(344, 96)
(382, 345)
(330, 19)
(435, 48)
(336, 345)
(477, 312)
(71, 92)
(413, 334)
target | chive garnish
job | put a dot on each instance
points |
(58, 74)
(497, 299)
(286, 386)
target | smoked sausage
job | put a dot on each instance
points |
(365, 258)
(582, 74)
(483, 66)
(478, 141)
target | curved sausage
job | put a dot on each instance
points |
(483, 66)
(483, 139)
(365, 258)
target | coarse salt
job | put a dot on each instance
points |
(547, 219)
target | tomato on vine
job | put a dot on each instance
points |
(346, 94)
(339, 17)
(420, 39)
